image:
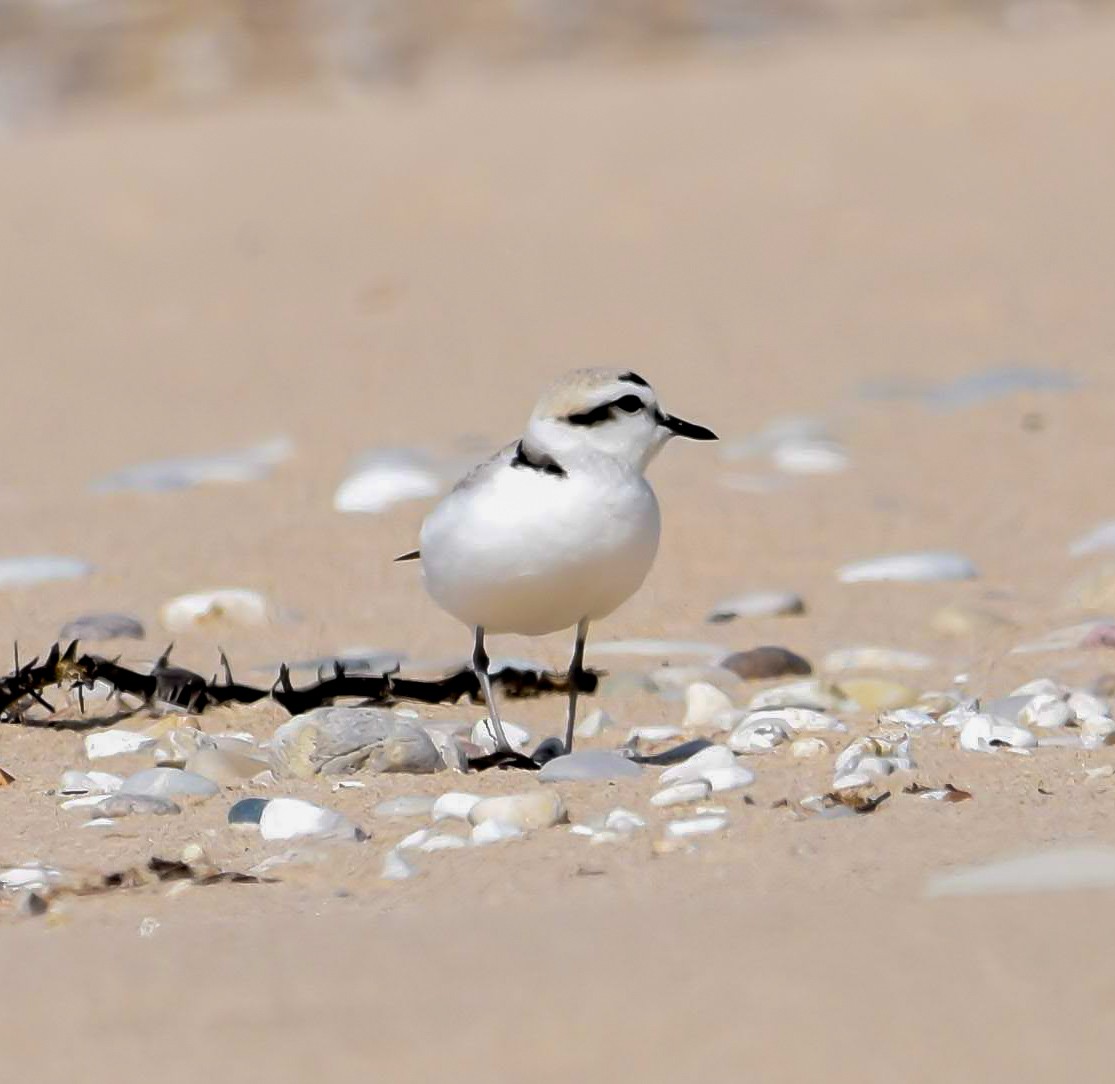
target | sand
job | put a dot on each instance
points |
(759, 235)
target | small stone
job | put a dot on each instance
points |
(623, 821)
(495, 831)
(765, 662)
(164, 475)
(123, 805)
(815, 695)
(878, 694)
(1045, 711)
(697, 826)
(1041, 687)
(34, 876)
(1086, 706)
(757, 604)
(169, 783)
(224, 606)
(112, 743)
(596, 764)
(31, 904)
(386, 478)
(106, 626)
(407, 805)
(484, 735)
(89, 783)
(594, 724)
(332, 740)
(293, 818)
(756, 734)
(705, 706)
(246, 812)
(910, 718)
(927, 567)
(805, 720)
(715, 766)
(441, 843)
(985, 733)
(396, 867)
(809, 747)
(653, 733)
(454, 804)
(227, 769)
(682, 794)
(1097, 731)
(28, 571)
(536, 809)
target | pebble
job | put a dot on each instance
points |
(106, 626)
(757, 736)
(653, 733)
(227, 769)
(386, 478)
(536, 809)
(924, 567)
(169, 783)
(332, 740)
(396, 867)
(874, 755)
(1045, 711)
(1041, 687)
(495, 831)
(696, 826)
(247, 465)
(596, 764)
(27, 571)
(594, 724)
(484, 735)
(89, 783)
(762, 663)
(814, 695)
(406, 805)
(623, 821)
(112, 743)
(757, 604)
(909, 718)
(1086, 706)
(226, 605)
(247, 812)
(33, 875)
(123, 805)
(878, 694)
(441, 843)
(981, 733)
(1095, 541)
(705, 706)
(293, 818)
(682, 793)
(1060, 869)
(875, 658)
(1097, 731)
(454, 804)
(809, 747)
(805, 720)
(715, 765)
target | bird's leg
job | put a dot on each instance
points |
(480, 666)
(576, 670)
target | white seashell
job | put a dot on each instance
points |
(441, 843)
(810, 457)
(27, 571)
(758, 604)
(804, 720)
(1085, 706)
(910, 718)
(235, 605)
(852, 780)
(454, 804)
(705, 706)
(535, 809)
(808, 747)
(1046, 711)
(415, 839)
(85, 801)
(1100, 538)
(682, 793)
(89, 783)
(396, 867)
(113, 743)
(100, 822)
(581, 830)
(757, 736)
(495, 831)
(1096, 731)
(483, 734)
(925, 567)
(594, 724)
(697, 826)
(623, 821)
(33, 875)
(731, 777)
(701, 765)
(1041, 687)
(245, 465)
(874, 658)
(982, 733)
(293, 818)
(810, 694)
(653, 733)
(387, 478)
(168, 783)
(875, 754)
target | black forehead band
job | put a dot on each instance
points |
(634, 378)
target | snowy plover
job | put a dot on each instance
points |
(560, 527)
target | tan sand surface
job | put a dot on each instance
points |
(757, 234)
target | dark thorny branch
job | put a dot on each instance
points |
(181, 688)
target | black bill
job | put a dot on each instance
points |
(681, 428)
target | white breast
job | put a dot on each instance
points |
(519, 550)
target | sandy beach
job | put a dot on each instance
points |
(904, 236)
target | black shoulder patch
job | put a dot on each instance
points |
(633, 378)
(539, 461)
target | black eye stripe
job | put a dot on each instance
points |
(629, 404)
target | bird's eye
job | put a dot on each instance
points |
(630, 404)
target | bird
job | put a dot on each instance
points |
(558, 528)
